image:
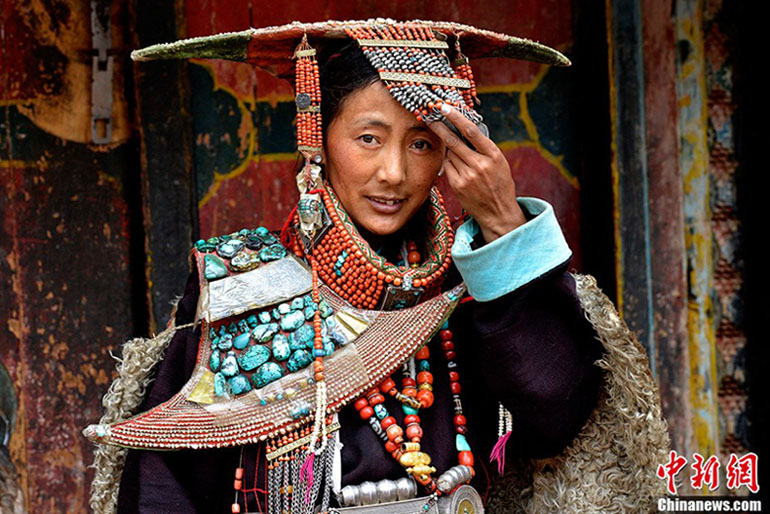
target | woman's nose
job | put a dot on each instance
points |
(393, 167)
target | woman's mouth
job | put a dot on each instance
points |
(385, 205)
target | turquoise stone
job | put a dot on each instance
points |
(241, 341)
(253, 241)
(273, 252)
(276, 314)
(214, 343)
(214, 361)
(254, 357)
(409, 410)
(301, 338)
(461, 444)
(268, 372)
(270, 239)
(284, 308)
(230, 365)
(281, 350)
(328, 346)
(298, 360)
(243, 326)
(335, 333)
(225, 342)
(293, 321)
(325, 308)
(214, 267)
(232, 328)
(229, 248)
(220, 384)
(308, 299)
(264, 317)
(380, 411)
(252, 321)
(239, 384)
(300, 411)
(297, 304)
(424, 365)
(207, 246)
(264, 333)
(309, 312)
(261, 232)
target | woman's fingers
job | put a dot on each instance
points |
(452, 141)
(469, 130)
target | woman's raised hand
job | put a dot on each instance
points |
(481, 178)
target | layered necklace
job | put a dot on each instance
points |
(348, 265)
(345, 262)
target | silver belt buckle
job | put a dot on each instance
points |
(464, 500)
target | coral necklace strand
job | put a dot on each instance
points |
(415, 394)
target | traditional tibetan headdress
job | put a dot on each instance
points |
(412, 59)
(262, 346)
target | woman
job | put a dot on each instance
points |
(520, 339)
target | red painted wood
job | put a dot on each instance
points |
(666, 219)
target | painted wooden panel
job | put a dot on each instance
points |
(65, 292)
(693, 165)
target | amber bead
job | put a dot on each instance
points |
(237, 484)
(424, 377)
(366, 413)
(360, 404)
(445, 334)
(422, 353)
(236, 508)
(388, 421)
(460, 420)
(455, 387)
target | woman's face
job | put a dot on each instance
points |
(380, 160)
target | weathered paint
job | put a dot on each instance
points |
(693, 163)
(630, 181)
(167, 180)
(720, 32)
(65, 290)
(667, 221)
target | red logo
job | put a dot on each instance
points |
(742, 471)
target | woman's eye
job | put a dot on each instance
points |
(368, 139)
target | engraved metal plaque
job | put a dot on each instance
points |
(269, 284)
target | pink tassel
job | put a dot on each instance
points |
(498, 452)
(306, 471)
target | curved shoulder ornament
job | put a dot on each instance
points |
(253, 371)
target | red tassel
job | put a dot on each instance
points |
(287, 235)
(498, 452)
(306, 472)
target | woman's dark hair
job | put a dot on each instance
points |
(344, 70)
